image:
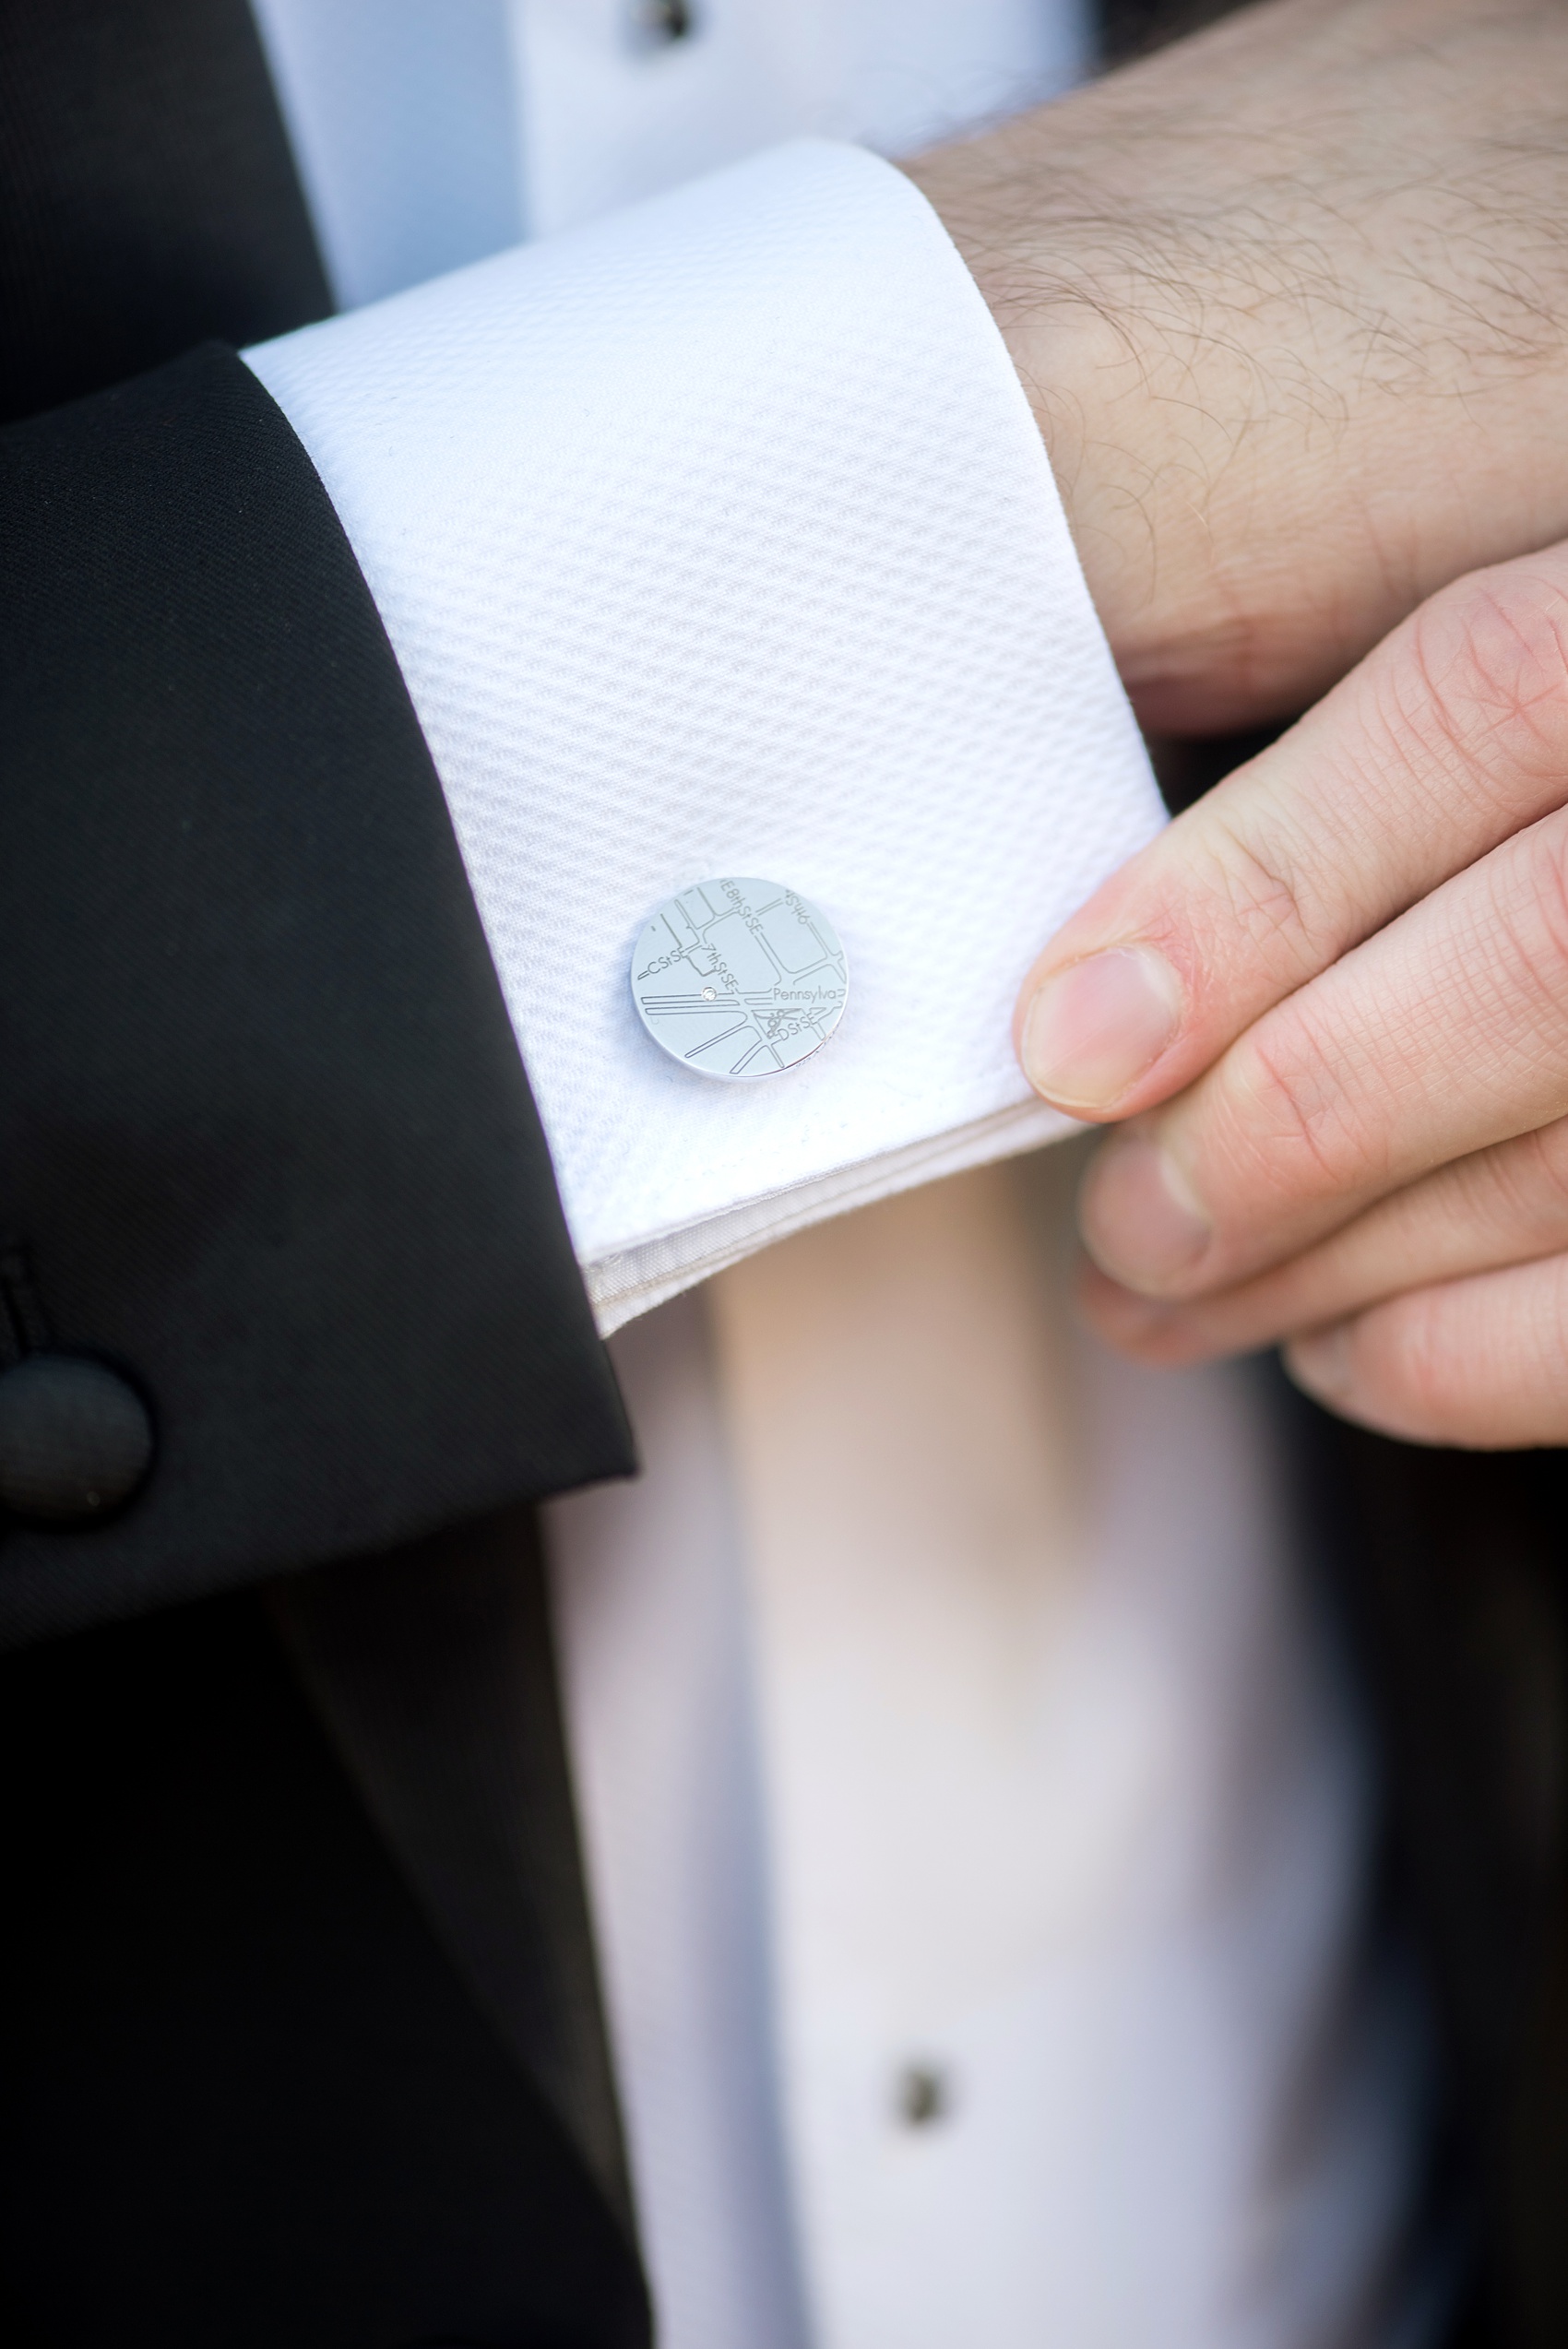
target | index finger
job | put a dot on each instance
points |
(1449, 737)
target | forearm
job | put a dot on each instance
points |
(1289, 303)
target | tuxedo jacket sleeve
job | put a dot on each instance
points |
(300, 2037)
(267, 1147)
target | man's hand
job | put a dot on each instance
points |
(1349, 964)
(1289, 301)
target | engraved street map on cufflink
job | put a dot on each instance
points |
(740, 978)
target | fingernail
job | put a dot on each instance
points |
(1141, 1220)
(1091, 1030)
(1321, 1362)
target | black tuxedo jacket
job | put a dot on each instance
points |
(299, 2039)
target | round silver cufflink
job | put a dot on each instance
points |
(739, 979)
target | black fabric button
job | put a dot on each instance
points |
(75, 1440)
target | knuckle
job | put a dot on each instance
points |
(1515, 947)
(1545, 1169)
(1297, 1111)
(1545, 857)
(1418, 1364)
(1271, 915)
(1476, 1361)
(1411, 1368)
(1517, 1191)
(1269, 889)
(1486, 682)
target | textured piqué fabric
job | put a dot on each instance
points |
(264, 1132)
(718, 538)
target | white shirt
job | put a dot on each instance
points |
(975, 1821)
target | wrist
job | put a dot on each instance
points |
(1291, 328)
(1178, 465)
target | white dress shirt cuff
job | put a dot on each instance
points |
(718, 538)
